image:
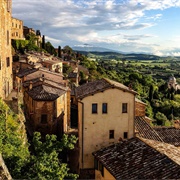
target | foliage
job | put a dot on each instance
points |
(66, 69)
(45, 162)
(67, 50)
(50, 49)
(13, 146)
(160, 118)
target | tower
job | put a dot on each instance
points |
(5, 48)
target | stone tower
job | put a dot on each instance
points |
(5, 48)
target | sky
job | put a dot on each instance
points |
(146, 26)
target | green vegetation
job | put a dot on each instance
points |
(146, 74)
(43, 162)
(13, 147)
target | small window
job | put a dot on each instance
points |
(95, 164)
(111, 134)
(124, 108)
(7, 61)
(8, 5)
(125, 135)
(104, 108)
(7, 37)
(44, 118)
(94, 108)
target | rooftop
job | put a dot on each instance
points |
(134, 159)
(25, 72)
(98, 86)
(45, 93)
(168, 135)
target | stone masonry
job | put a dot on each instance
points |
(5, 48)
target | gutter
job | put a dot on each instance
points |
(82, 159)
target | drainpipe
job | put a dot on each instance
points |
(134, 115)
(82, 159)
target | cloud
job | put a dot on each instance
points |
(84, 21)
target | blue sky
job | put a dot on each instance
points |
(149, 26)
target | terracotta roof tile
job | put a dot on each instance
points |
(134, 159)
(169, 135)
(99, 85)
(25, 72)
(45, 93)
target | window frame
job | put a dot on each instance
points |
(94, 108)
(124, 107)
(7, 61)
(42, 119)
(111, 134)
(104, 108)
(125, 135)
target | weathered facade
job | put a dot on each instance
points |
(46, 108)
(106, 115)
(17, 29)
(140, 108)
(5, 48)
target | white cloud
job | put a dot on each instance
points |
(84, 21)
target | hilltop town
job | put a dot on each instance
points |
(105, 125)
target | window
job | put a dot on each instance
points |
(104, 108)
(44, 118)
(124, 108)
(95, 164)
(7, 37)
(94, 108)
(111, 134)
(7, 61)
(125, 135)
(8, 5)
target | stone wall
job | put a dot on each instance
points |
(17, 29)
(5, 49)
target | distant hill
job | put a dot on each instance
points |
(91, 51)
(87, 48)
(117, 55)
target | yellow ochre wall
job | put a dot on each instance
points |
(96, 126)
(5, 48)
(107, 175)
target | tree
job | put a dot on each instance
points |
(50, 49)
(161, 118)
(45, 162)
(13, 146)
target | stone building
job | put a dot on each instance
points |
(106, 111)
(5, 48)
(27, 30)
(17, 29)
(46, 107)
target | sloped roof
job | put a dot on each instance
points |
(168, 135)
(134, 159)
(169, 150)
(45, 93)
(144, 130)
(98, 86)
(25, 72)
